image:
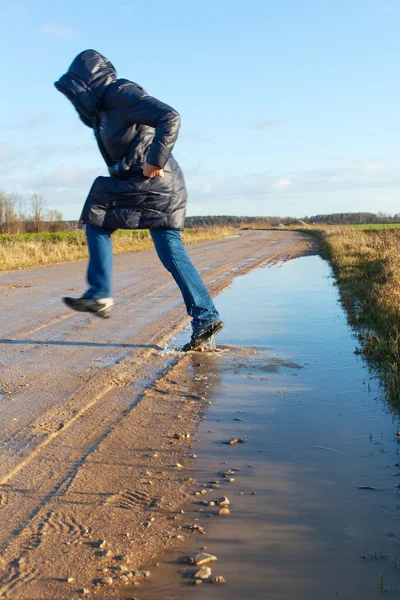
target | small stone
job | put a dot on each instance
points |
(196, 582)
(211, 503)
(218, 579)
(203, 573)
(228, 473)
(106, 581)
(121, 568)
(141, 573)
(179, 466)
(253, 493)
(232, 479)
(179, 436)
(193, 456)
(101, 544)
(84, 591)
(124, 579)
(201, 558)
(223, 511)
(198, 494)
(70, 579)
(104, 553)
(223, 501)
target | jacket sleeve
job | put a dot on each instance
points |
(146, 110)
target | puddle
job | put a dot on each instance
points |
(313, 506)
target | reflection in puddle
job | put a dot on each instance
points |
(313, 498)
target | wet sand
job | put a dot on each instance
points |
(90, 475)
(322, 453)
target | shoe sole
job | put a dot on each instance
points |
(197, 348)
(103, 313)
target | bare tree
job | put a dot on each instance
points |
(2, 206)
(20, 207)
(38, 207)
(54, 218)
(10, 218)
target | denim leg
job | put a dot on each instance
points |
(100, 262)
(173, 255)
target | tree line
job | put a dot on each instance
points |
(348, 218)
(19, 214)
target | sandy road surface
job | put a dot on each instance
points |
(81, 458)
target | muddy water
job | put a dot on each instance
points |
(318, 431)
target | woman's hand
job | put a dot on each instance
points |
(152, 171)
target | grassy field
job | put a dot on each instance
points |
(366, 265)
(377, 226)
(36, 249)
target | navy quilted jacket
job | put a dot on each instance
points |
(127, 124)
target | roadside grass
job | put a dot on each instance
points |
(366, 265)
(21, 251)
(376, 226)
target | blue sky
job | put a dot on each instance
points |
(288, 107)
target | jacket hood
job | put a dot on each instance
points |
(85, 83)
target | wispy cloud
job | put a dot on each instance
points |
(34, 122)
(58, 32)
(282, 184)
(266, 123)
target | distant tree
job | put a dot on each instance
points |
(54, 219)
(38, 207)
(10, 222)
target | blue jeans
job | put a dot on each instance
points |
(173, 255)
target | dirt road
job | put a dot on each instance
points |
(89, 414)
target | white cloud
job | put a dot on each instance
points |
(282, 184)
(58, 32)
(35, 122)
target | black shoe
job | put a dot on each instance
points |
(202, 335)
(101, 308)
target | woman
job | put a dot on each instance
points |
(146, 189)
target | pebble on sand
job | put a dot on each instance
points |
(141, 573)
(70, 579)
(203, 573)
(223, 511)
(223, 501)
(201, 558)
(218, 579)
(106, 581)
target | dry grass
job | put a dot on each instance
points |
(366, 265)
(17, 253)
